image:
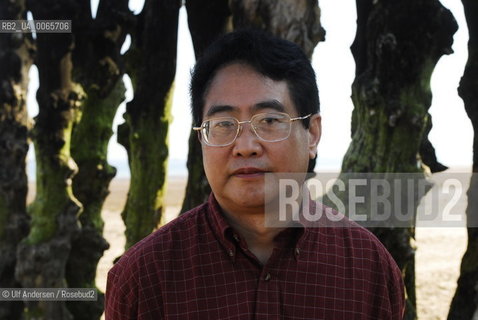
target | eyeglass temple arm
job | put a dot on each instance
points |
(301, 118)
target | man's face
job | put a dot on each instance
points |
(236, 172)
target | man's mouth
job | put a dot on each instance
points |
(249, 172)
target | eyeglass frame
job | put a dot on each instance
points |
(240, 124)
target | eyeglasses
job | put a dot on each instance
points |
(269, 127)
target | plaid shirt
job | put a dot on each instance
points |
(197, 267)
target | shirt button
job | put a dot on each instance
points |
(231, 253)
(236, 237)
(267, 277)
(297, 251)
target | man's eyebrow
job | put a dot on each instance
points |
(219, 108)
(269, 104)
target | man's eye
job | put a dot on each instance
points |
(224, 124)
(270, 120)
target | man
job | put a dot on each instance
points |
(256, 108)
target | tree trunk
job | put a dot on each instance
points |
(295, 20)
(97, 68)
(464, 305)
(396, 48)
(151, 66)
(42, 256)
(16, 57)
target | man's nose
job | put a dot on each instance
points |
(247, 143)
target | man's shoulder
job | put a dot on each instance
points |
(356, 253)
(340, 231)
(344, 243)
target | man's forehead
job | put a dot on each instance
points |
(239, 86)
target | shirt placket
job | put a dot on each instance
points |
(267, 300)
(269, 295)
(268, 291)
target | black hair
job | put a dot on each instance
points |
(276, 58)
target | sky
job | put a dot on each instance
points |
(452, 133)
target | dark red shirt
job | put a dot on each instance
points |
(197, 267)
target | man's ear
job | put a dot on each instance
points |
(315, 132)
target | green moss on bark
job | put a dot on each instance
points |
(93, 130)
(53, 190)
(148, 160)
(90, 141)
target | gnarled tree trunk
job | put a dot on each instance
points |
(464, 305)
(98, 69)
(396, 48)
(42, 256)
(152, 66)
(16, 57)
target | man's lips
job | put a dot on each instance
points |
(248, 172)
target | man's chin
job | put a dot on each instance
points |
(250, 202)
(243, 201)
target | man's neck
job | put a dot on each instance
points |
(251, 226)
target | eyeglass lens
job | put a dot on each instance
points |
(267, 126)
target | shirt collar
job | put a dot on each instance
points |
(225, 234)
(218, 222)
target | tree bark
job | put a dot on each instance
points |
(42, 256)
(396, 48)
(464, 305)
(98, 69)
(16, 57)
(295, 20)
(152, 67)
